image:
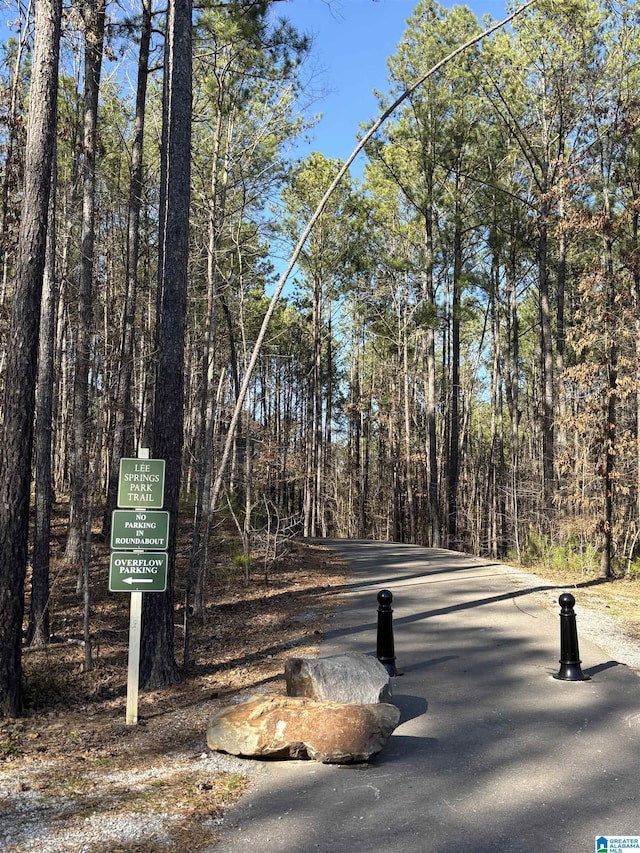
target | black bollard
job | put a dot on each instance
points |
(384, 647)
(569, 654)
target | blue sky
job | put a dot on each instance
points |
(352, 40)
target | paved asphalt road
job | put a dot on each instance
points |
(492, 753)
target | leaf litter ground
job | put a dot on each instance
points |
(74, 777)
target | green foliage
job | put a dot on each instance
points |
(633, 570)
(243, 561)
(570, 556)
(232, 782)
(10, 748)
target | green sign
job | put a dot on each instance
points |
(140, 530)
(137, 572)
(141, 484)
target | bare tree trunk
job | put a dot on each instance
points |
(560, 318)
(19, 392)
(314, 426)
(157, 664)
(122, 430)
(38, 630)
(512, 387)
(495, 544)
(430, 383)
(207, 411)
(355, 510)
(636, 301)
(326, 449)
(611, 370)
(546, 368)
(86, 545)
(635, 295)
(10, 175)
(317, 417)
(453, 460)
(407, 428)
(94, 16)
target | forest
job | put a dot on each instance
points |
(454, 361)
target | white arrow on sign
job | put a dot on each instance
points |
(137, 580)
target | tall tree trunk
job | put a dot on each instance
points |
(364, 451)
(317, 421)
(453, 460)
(123, 438)
(636, 302)
(314, 428)
(610, 413)
(407, 428)
(326, 448)
(512, 387)
(355, 437)
(38, 630)
(94, 16)
(496, 544)
(10, 174)
(560, 317)
(546, 369)
(207, 409)
(20, 382)
(428, 295)
(157, 664)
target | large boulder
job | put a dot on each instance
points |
(352, 678)
(274, 726)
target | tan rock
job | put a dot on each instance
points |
(273, 726)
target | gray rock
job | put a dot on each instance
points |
(273, 726)
(352, 678)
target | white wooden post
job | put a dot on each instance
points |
(133, 678)
(135, 632)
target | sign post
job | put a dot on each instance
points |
(139, 559)
(133, 670)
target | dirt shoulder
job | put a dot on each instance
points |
(74, 777)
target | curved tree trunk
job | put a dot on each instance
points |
(235, 418)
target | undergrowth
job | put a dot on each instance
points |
(572, 555)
